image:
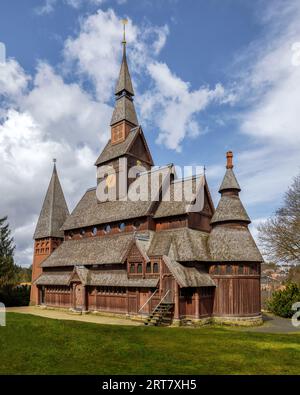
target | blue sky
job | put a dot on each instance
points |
(209, 76)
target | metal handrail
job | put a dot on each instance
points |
(167, 293)
(148, 300)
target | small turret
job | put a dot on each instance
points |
(230, 208)
(230, 239)
(48, 234)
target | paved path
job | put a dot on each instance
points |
(273, 324)
(64, 315)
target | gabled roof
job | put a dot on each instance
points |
(229, 181)
(54, 210)
(189, 276)
(180, 201)
(113, 151)
(183, 244)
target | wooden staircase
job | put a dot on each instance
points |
(161, 315)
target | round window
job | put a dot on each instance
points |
(122, 226)
(107, 228)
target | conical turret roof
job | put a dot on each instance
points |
(54, 210)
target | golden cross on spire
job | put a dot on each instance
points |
(124, 22)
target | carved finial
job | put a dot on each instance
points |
(54, 160)
(124, 22)
(229, 157)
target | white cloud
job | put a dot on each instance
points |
(173, 105)
(13, 79)
(47, 8)
(268, 87)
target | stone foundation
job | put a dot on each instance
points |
(239, 321)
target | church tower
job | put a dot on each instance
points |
(238, 260)
(127, 138)
(47, 235)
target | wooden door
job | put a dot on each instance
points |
(78, 296)
(144, 296)
(168, 289)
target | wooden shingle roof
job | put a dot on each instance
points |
(54, 211)
(112, 151)
(90, 251)
(189, 276)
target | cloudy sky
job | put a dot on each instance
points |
(209, 76)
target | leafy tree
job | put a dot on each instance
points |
(294, 275)
(280, 235)
(281, 301)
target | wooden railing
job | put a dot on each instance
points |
(148, 300)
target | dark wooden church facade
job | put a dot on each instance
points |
(137, 258)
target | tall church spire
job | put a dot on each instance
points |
(54, 210)
(124, 111)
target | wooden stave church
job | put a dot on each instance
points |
(132, 258)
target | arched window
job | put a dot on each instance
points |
(148, 267)
(132, 268)
(94, 231)
(228, 269)
(122, 226)
(155, 267)
(140, 268)
(107, 228)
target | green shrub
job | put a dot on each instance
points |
(13, 296)
(281, 302)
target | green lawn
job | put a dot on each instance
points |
(35, 345)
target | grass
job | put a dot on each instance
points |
(35, 345)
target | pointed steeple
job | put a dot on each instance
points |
(124, 108)
(230, 239)
(124, 81)
(230, 208)
(54, 210)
